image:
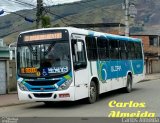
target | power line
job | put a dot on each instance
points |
(49, 11)
(59, 16)
(14, 13)
(50, 1)
(17, 30)
(26, 18)
(17, 2)
(83, 1)
(21, 3)
(22, 16)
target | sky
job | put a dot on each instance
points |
(13, 5)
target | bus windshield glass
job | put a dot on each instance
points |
(43, 60)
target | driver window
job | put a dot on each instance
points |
(79, 57)
(81, 54)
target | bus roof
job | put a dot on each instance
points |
(88, 32)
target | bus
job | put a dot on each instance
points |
(68, 64)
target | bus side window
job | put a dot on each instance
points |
(114, 49)
(81, 54)
(73, 49)
(123, 50)
(103, 48)
(138, 50)
(131, 50)
(91, 48)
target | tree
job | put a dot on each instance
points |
(46, 22)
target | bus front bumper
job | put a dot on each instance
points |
(65, 95)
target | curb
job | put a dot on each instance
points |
(15, 104)
(145, 80)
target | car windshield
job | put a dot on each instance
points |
(43, 60)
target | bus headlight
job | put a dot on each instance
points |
(22, 87)
(65, 85)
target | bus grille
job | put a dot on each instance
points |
(43, 95)
(44, 89)
(42, 83)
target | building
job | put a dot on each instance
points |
(7, 70)
(151, 45)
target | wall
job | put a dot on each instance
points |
(3, 77)
(145, 40)
(152, 63)
(12, 76)
(156, 66)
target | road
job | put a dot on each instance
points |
(144, 92)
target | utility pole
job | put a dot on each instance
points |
(39, 12)
(126, 5)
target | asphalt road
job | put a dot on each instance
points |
(145, 92)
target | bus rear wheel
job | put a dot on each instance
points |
(128, 87)
(93, 94)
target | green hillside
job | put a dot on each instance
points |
(95, 11)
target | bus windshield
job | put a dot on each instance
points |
(43, 60)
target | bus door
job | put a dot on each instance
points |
(80, 66)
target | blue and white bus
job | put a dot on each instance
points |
(68, 64)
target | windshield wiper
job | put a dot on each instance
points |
(49, 48)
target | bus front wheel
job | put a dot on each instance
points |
(128, 87)
(93, 93)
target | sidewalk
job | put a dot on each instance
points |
(152, 76)
(12, 99)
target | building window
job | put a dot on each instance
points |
(153, 41)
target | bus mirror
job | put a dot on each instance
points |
(10, 54)
(79, 46)
(74, 41)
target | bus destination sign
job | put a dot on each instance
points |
(40, 37)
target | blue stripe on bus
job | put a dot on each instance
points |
(115, 37)
(122, 38)
(115, 68)
(48, 88)
(90, 33)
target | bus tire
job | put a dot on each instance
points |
(128, 87)
(93, 94)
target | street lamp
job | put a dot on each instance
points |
(1, 12)
(25, 18)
